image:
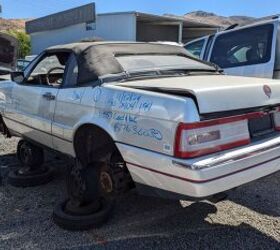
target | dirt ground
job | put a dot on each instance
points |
(249, 219)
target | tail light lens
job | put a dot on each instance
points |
(201, 138)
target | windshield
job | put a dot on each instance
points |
(141, 63)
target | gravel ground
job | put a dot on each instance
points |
(249, 219)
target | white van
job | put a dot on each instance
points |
(251, 50)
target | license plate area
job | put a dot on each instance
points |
(261, 126)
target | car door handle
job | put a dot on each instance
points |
(49, 96)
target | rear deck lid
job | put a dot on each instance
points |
(217, 93)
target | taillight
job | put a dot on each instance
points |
(201, 138)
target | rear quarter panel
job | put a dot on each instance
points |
(136, 117)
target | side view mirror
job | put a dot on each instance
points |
(17, 76)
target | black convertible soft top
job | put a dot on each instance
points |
(96, 59)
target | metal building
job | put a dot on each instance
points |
(81, 23)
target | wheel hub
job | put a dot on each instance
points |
(26, 154)
(106, 182)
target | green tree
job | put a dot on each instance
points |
(24, 42)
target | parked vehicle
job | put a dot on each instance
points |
(22, 64)
(30, 58)
(252, 50)
(8, 54)
(138, 114)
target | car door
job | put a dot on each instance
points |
(33, 106)
(68, 110)
(247, 51)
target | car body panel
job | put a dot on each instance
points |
(36, 115)
(233, 91)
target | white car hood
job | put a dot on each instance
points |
(217, 93)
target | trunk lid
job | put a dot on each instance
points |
(8, 53)
(217, 93)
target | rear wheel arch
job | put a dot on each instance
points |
(91, 143)
(94, 147)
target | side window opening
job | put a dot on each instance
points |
(243, 47)
(195, 48)
(49, 71)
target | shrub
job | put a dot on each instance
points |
(24, 42)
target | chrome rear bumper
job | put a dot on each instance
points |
(205, 176)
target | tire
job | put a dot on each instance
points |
(82, 222)
(17, 180)
(35, 156)
(83, 183)
(97, 179)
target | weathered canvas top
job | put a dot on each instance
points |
(96, 59)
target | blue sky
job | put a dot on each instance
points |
(38, 8)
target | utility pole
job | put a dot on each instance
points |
(0, 10)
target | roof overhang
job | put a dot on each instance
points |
(150, 18)
(82, 14)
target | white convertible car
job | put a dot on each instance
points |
(144, 115)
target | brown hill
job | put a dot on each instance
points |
(211, 18)
(12, 24)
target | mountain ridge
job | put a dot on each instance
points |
(12, 24)
(214, 19)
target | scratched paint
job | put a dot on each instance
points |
(138, 131)
(97, 94)
(120, 117)
(124, 101)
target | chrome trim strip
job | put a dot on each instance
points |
(229, 159)
(201, 181)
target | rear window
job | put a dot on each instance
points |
(243, 47)
(140, 63)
